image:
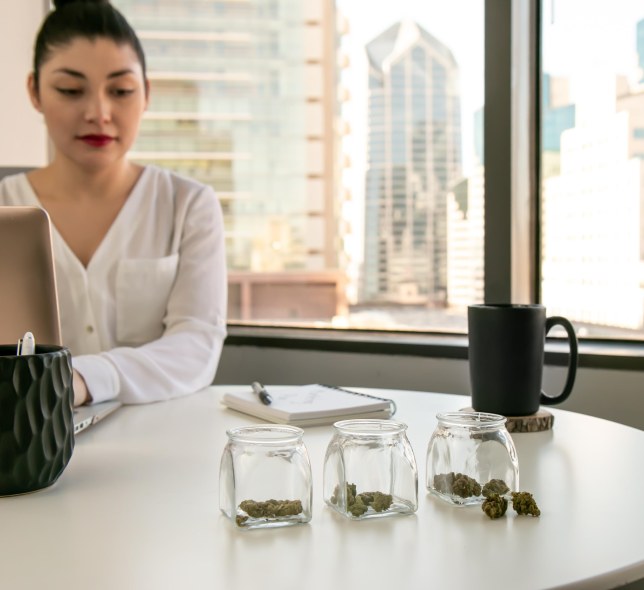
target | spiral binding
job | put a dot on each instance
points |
(392, 403)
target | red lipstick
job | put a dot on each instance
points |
(96, 140)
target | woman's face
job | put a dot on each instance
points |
(92, 95)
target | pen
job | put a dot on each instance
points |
(258, 389)
(26, 345)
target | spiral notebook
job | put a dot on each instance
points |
(309, 405)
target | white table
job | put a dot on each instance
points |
(138, 508)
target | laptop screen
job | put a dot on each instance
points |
(28, 297)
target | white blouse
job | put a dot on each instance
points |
(146, 319)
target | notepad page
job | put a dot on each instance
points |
(309, 401)
(304, 402)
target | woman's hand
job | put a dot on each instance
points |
(81, 394)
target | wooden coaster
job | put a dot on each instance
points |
(540, 421)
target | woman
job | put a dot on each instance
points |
(139, 250)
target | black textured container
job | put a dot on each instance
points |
(36, 418)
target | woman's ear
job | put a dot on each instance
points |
(33, 92)
(147, 94)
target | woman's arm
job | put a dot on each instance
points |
(81, 395)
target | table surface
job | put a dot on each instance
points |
(138, 507)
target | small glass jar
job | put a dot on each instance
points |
(469, 455)
(265, 477)
(370, 470)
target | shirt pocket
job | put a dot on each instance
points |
(142, 291)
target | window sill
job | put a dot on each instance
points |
(596, 354)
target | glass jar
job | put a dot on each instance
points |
(265, 477)
(370, 470)
(469, 454)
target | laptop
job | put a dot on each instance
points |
(28, 296)
(86, 416)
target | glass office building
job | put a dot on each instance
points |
(557, 113)
(244, 99)
(640, 47)
(414, 159)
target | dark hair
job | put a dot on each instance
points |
(83, 18)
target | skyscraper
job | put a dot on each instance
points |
(414, 158)
(465, 221)
(557, 113)
(244, 99)
(593, 232)
(640, 47)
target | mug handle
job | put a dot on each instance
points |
(548, 400)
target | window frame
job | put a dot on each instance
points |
(512, 249)
(511, 141)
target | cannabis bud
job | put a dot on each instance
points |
(495, 486)
(269, 509)
(524, 504)
(358, 507)
(381, 502)
(358, 504)
(494, 505)
(443, 482)
(458, 484)
(465, 486)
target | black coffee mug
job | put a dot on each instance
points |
(36, 418)
(506, 354)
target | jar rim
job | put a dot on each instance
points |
(369, 427)
(42, 350)
(471, 419)
(266, 434)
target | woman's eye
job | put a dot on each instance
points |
(121, 92)
(69, 91)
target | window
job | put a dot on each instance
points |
(410, 144)
(592, 169)
(346, 144)
(341, 142)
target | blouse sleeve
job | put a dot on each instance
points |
(184, 359)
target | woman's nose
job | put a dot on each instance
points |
(98, 109)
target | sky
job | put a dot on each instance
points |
(594, 32)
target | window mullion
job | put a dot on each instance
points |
(510, 148)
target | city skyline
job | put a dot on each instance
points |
(292, 179)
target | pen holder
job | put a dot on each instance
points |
(36, 418)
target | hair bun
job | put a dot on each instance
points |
(58, 4)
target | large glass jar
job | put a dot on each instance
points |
(265, 477)
(469, 455)
(370, 470)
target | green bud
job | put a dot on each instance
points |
(457, 484)
(381, 502)
(495, 486)
(359, 504)
(269, 509)
(358, 508)
(495, 506)
(465, 486)
(524, 504)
